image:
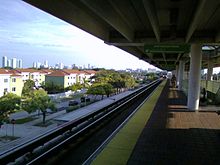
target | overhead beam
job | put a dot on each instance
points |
(125, 44)
(178, 58)
(164, 58)
(105, 10)
(120, 13)
(152, 16)
(116, 41)
(195, 20)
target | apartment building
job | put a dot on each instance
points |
(38, 76)
(4, 81)
(67, 77)
(89, 74)
(11, 82)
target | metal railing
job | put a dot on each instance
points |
(211, 86)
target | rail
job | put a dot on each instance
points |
(28, 147)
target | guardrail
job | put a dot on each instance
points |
(22, 149)
(211, 86)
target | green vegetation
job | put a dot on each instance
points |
(39, 100)
(8, 138)
(28, 88)
(9, 103)
(72, 108)
(152, 76)
(108, 82)
(52, 88)
(45, 124)
(75, 87)
(24, 120)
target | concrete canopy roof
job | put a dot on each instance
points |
(131, 24)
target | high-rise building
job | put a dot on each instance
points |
(74, 66)
(8, 63)
(4, 61)
(46, 64)
(13, 62)
(61, 65)
(38, 64)
(34, 64)
(19, 63)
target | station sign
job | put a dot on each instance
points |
(167, 48)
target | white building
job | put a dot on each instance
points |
(19, 63)
(4, 61)
(13, 62)
(61, 65)
(9, 63)
(46, 65)
(4, 81)
(34, 64)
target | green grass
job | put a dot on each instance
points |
(120, 147)
(24, 120)
(8, 138)
(72, 108)
(41, 124)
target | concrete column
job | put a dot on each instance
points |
(194, 77)
(210, 70)
(180, 75)
(177, 71)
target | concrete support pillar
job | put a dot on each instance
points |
(180, 75)
(194, 77)
(210, 70)
(177, 71)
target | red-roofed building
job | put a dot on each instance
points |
(67, 77)
(11, 81)
(38, 76)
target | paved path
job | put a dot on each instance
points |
(92, 107)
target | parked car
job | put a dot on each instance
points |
(85, 99)
(73, 102)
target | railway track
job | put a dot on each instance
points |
(79, 141)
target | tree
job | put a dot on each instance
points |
(38, 101)
(129, 80)
(118, 80)
(28, 88)
(101, 89)
(8, 104)
(50, 87)
(75, 87)
(96, 89)
(108, 88)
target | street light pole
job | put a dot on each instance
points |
(13, 127)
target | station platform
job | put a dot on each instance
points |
(166, 133)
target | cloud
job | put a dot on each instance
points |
(28, 32)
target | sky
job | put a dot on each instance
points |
(32, 35)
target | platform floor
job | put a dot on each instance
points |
(164, 131)
(175, 135)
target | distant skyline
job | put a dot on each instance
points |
(30, 34)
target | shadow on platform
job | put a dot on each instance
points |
(175, 135)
